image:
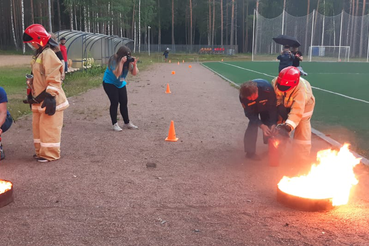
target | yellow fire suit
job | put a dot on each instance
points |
(47, 69)
(301, 101)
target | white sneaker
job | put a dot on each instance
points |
(116, 127)
(130, 126)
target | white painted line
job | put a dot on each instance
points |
(321, 135)
(317, 88)
(339, 94)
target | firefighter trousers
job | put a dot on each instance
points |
(47, 134)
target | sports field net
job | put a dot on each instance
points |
(329, 53)
(315, 29)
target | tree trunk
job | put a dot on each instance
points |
(133, 20)
(59, 17)
(12, 21)
(213, 30)
(353, 44)
(159, 25)
(221, 23)
(247, 26)
(232, 25)
(227, 20)
(191, 42)
(307, 27)
(235, 24)
(71, 16)
(32, 13)
(173, 43)
(362, 29)
(352, 26)
(243, 26)
(209, 23)
(23, 44)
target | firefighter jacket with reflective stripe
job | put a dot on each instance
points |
(47, 69)
(300, 100)
(266, 102)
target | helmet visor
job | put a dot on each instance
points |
(283, 87)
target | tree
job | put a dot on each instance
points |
(191, 22)
(232, 25)
(173, 42)
(221, 22)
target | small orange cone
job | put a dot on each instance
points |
(189, 66)
(173, 72)
(182, 61)
(178, 63)
(172, 133)
(168, 89)
(222, 59)
(170, 61)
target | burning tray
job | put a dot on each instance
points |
(302, 203)
(6, 192)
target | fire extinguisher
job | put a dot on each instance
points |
(273, 152)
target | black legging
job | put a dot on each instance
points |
(117, 95)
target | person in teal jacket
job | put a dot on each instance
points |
(114, 83)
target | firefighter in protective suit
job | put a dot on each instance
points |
(47, 97)
(295, 105)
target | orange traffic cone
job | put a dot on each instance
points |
(168, 89)
(189, 66)
(222, 59)
(182, 61)
(172, 133)
(173, 72)
(170, 61)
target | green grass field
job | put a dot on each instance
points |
(338, 116)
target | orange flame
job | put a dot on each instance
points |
(331, 178)
(5, 186)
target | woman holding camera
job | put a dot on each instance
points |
(114, 83)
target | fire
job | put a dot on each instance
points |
(5, 186)
(331, 178)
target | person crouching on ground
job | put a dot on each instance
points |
(285, 58)
(6, 119)
(114, 83)
(295, 105)
(49, 99)
(259, 103)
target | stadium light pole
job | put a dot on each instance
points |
(148, 37)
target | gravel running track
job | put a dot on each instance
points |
(201, 192)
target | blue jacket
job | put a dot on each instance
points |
(285, 60)
(266, 102)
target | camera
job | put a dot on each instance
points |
(130, 59)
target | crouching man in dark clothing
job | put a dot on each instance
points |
(259, 103)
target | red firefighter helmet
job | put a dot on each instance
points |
(288, 78)
(36, 33)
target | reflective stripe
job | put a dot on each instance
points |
(306, 89)
(36, 141)
(307, 114)
(40, 110)
(50, 144)
(291, 123)
(304, 142)
(52, 88)
(62, 105)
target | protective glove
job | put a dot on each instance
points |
(50, 104)
(284, 130)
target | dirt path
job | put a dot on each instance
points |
(14, 60)
(202, 191)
